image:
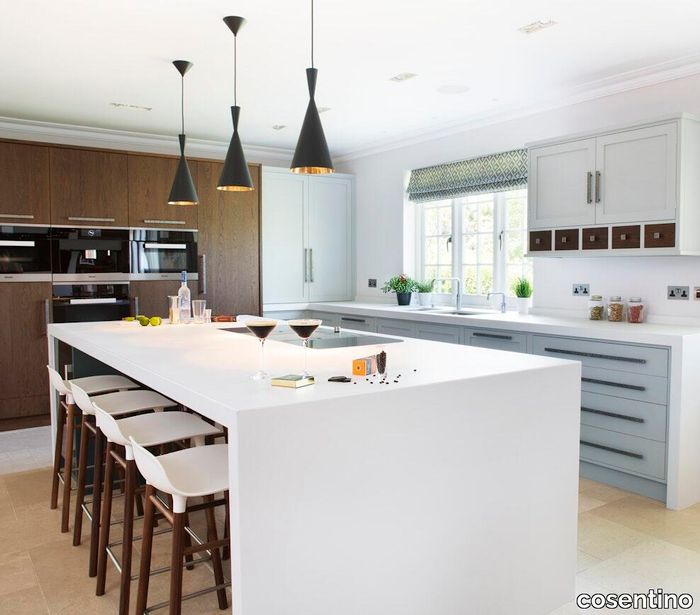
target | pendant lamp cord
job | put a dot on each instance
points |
(182, 102)
(312, 33)
(235, 71)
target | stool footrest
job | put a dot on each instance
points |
(201, 592)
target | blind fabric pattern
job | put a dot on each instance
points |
(494, 173)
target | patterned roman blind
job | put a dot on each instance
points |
(494, 173)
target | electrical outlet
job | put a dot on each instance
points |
(696, 292)
(581, 290)
(678, 293)
(372, 282)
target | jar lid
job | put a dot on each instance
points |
(596, 297)
(615, 298)
(635, 299)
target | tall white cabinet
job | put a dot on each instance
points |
(307, 237)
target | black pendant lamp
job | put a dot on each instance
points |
(235, 176)
(311, 154)
(183, 191)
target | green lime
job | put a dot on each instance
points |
(155, 321)
(143, 320)
(129, 318)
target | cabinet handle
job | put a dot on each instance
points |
(610, 383)
(538, 241)
(47, 315)
(592, 239)
(20, 216)
(492, 335)
(311, 264)
(203, 274)
(350, 319)
(614, 415)
(611, 449)
(306, 264)
(623, 236)
(656, 235)
(135, 304)
(589, 187)
(563, 239)
(595, 355)
(164, 222)
(597, 186)
(89, 219)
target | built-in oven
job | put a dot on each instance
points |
(92, 302)
(89, 254)
(25, 253)
(163, 254)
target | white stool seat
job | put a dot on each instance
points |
(193, 472)
(94, 385)
(122, 402)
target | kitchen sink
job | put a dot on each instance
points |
(465, 312)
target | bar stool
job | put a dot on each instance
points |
(148, 430)
(201, 471)
(119, 404)
(92, 385)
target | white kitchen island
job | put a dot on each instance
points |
(450, 492)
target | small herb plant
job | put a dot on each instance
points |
(425, 286)
(522, 288)
(399, 284)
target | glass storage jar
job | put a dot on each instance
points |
(616, 309)
(635, 310)
(596, 307)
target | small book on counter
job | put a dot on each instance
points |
(292, 381)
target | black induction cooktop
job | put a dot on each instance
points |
(323, 338)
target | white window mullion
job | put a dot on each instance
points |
(499, 239)
(457, 241)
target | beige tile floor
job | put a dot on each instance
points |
(626, 543)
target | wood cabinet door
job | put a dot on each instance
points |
(150, 181)
(638, 175)
(150, 297)
(330, 235)
(229, 243)
(23, 349)
(560, 185)
(284, 249)
(88, 187)
(24, 177)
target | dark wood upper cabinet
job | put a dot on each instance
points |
(150, 180)
(88, 187)
(229, 242)
(24, 177)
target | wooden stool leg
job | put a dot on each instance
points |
(68, 466)
(212, 536)
(105, 521)
(178, 548)
(226, 552)
(82, 470)
(146, 549)
(128, 537)
(188, 543)
(57, 453)
(96, 501)
(139, 503)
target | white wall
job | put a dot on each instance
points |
(381, 214)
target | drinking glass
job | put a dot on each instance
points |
(304, 328)
(198, 306)
(173, 309)
(207, 315)
(261, 329)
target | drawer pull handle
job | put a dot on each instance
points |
(538, 241)
(623, 237)
(20, 216)
(563, 239)
(89, 219)
(493, 335)
(592, 238)
(614, 415)
(352, 319)
(657, 235)
(608, 383)
(612, 449)
(164, 221)
(595, 355)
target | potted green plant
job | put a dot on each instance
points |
(522, 289)
(403, 286)
(424, 289)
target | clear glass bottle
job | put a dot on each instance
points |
(635, 310)
(596, 308)
(616, 309)
(184, 299)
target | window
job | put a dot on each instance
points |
(480, 239)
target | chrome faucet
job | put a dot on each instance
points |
(503, 301)
(458, 301)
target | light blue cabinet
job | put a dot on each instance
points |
(496, 339)
(451, 334)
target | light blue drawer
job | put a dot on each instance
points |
(439, 333)
(606, 355)
(498, 340)
(625, 384)
(623, 452)
(329, 319)
(635, 418)
(359, 323)
(402, 328)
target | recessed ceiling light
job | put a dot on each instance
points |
(323, 109)
(453, 89)
(402, 77)
(536, 26)
(118, 105)
(278, 126)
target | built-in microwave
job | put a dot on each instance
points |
(89, 254)
(25, 253)
(163, 254)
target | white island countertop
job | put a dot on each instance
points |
(453, 490)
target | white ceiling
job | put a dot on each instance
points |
(65, 61)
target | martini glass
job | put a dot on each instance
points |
(304, 328)
(261, 329)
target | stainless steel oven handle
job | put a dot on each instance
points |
(165, 246)
(19, 216)
(17, 243)
(89, 219)
(202, 274)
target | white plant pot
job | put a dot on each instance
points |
(523, 304)
(425, 299)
